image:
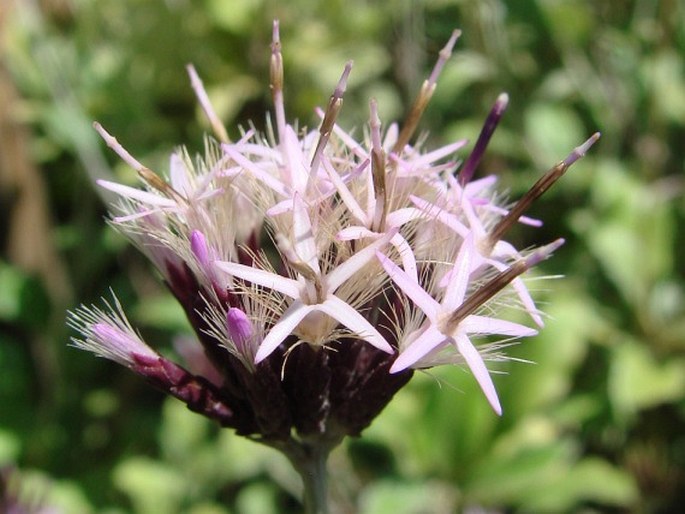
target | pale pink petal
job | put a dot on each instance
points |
(135, 215)
(259, 150)
(259, 173)
(523, 294)
(288, 322)
(419, 348)
(401, 216)
(137, 194)
(527, 301)
(287, 205)
(206, 195)
(354, 233)
(304, 244)
(475, 222)
(287, 286)
(433, 211)
(295, 161)
(407, 256)
(391, 135)
(525, 220)
(474, 187)
(280, 208)
(426, 159)
(354, 264)
(485, 325)
(178, 175)
(411, 288)
(349, 317)
(504, 250)
(459, 278)
(477, 367)
(345, 195)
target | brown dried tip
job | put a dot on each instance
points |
(378, 170)
(424, 96)
(334, 105)
(276, 78)
(538, 189)
(161, 185)
(276, 65)
(149, 176)
(500, 281)
(202, 97)
(116, 146)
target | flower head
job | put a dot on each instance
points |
(317, 270)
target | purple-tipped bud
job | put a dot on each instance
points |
(240, 329)
(445, 54)
(342, 83)
(116, 344)
(543, 252)
(424, 96)
(198, 245)
(205, 256)
(581, 150)
(332, 111)
(484, 137)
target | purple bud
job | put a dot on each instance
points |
(239, 328)
(117, 344)
(486, 132)
(198, 245)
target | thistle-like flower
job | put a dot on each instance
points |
(319, 271)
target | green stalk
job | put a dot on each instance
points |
(309, 460)
(315, 479)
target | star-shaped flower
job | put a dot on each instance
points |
(313, 292)
(447, 322)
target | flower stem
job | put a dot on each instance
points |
(315, 479)
(309, 459)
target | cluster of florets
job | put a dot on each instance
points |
(318, 271)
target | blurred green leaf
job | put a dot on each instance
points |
(633, 232)
(207, 508)
(23, 299)
(664, 74)
(394, 497)
(10, 444)
(552, 130)
(518, 475)
(590, 480)
(638, 381)
(162, 312)
(555, 353)
(257, 498)
(233, 15)
(151, 486)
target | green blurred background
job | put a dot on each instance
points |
(595, 424)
